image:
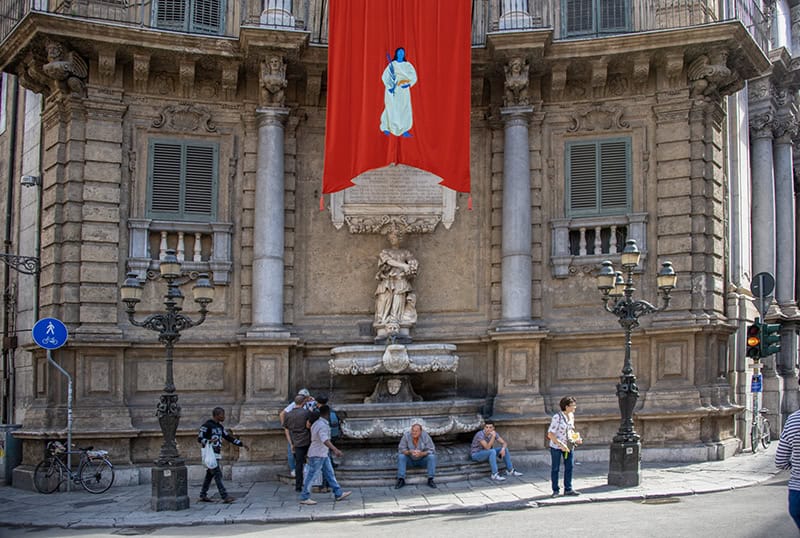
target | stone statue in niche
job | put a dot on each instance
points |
(395, 302)
(516, 84)
(273, 82)
(68, 69)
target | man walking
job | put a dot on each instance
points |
(788, 457)
(212, 431)
(485, 447)
(296, 423)
(318, 458)
(416, 448)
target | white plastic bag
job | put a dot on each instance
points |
(209, 458)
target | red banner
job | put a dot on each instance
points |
(398, 89)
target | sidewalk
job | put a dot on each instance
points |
(272, 502)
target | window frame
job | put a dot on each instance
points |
(595, 28)
(187, 23)
(599, 209)
(182, 214)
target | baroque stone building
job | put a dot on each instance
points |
(199, 126)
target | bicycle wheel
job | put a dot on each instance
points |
(47, 476)
(97, 475)
(766, 437)
(755, 435)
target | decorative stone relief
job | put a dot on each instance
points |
(186, 75)
(273, 81)
(164, 83)
(785, 128)
(599, 76)
(207, 89)
(230, 80)
(558, 81)
(759, 89)
(401, 196)
(710, 78)
(641, 70)
(30, 74)
(516, 83)
(107, 65)
(673, 65)
(598, 117)
(185, 117)
(141, 71)
(617, 85)
(66, 68)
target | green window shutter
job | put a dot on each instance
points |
(582, 177)
(165, 174)
(614, 173)
(172, 14)
(598, 175)
(208, 16)
(578, 17)
(182, 180)
(613, 16)
(201, 166)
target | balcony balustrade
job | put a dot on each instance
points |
(576, 19)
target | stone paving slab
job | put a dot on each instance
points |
(273, 502)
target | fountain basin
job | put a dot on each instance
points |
(393, 359)
(438, 417)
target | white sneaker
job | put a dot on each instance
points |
(513, 472)
(308, 502)
(497, 478)
(292, 474)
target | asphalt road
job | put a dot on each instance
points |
(748, 512)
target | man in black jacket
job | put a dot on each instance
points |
(213, 432)
(296, 422)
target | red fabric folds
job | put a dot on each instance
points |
(436, 35)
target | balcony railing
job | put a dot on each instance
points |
(569, 19)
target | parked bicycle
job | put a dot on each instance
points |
(759, 430)
(95, 472)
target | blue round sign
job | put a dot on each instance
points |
(50, 333)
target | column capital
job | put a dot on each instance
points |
(761, 125)
(272, 116)
(785, 129)
(514, 115)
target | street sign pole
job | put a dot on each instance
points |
(50, 334)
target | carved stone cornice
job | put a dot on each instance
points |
(401, 224)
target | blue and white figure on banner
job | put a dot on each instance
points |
(398, 78)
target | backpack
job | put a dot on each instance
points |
(336, 430)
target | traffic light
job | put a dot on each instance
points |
(770, 339)
(754, 340)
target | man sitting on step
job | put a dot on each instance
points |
(416, 449)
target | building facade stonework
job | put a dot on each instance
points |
(112, 116)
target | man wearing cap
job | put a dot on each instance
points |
(295, 422)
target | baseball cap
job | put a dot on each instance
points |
(304, 392)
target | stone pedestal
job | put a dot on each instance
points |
(624, 464)
(170, 488)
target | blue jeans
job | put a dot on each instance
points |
(216, 475)
(428, 461)
(492, 455)
(794, 506)
(314, 466)
(556, 457)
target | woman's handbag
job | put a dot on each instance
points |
(209, 457)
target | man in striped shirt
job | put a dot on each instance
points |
(788, 457)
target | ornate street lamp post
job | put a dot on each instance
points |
(169, 490)
(625, 457)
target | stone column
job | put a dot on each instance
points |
(516, 247)
(762, 215)
(268, 226)
(784, 216)
(785, 253)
